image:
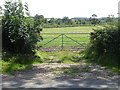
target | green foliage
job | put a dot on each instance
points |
(0, 12)
(94, 20)
(110, 19)
(62, 22)
(17, 62)
(19, 35)
(39, 20)
(104, 47)
(9, 67)
(19, 58)
(106, 40)
(72, 22)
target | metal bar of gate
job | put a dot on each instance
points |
(74, 40)
(62, 41)
(62, 34)
(65, 33)
(52, 39)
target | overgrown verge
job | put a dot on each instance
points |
(17, 62)
(104, 47)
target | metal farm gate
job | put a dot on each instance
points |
(63, 41)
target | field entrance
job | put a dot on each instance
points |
(64, 41)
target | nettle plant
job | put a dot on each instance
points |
(19, 32)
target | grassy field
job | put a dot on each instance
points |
(76, 38)
(82, 29)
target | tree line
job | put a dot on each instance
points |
(73, 22)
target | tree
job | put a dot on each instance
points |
(94, 15)
(0, 10)
(0, 16)
(65, 20)
(59, 21)
(109, 18)
(52, 21)
(94, 19)
(0, 31)
(40, 19)
(18, 34)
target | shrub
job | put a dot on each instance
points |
(18, 33)
(104, 42)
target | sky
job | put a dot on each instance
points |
(72, 8)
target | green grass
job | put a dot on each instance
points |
(111, 66)
(62, 56)
(105, 60)
(12, 62)
(82, 29)
(80, 38)
(19, 62)
(10, 67)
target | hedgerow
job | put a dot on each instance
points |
(104, 43)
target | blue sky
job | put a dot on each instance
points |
(72, 8)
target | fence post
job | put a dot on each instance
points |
(62, 42)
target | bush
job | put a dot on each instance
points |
(19, 33)
(104, 42)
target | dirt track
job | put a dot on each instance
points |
(44, 76)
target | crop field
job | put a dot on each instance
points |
(65, 37)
